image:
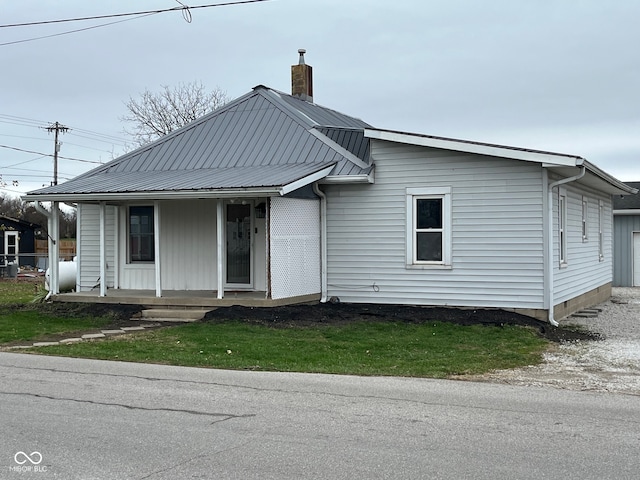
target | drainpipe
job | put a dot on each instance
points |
(549, 281)
(52, 234)
(323, 242)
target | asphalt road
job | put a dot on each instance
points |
(86, 419)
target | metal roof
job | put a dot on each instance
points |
(628, 202)
(262, 139)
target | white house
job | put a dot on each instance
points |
(274, 199)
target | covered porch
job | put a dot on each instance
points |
(178, 299)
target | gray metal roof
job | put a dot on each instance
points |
(628, 202)
(262, 139)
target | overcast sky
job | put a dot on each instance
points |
(556, 75)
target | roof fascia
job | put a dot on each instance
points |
(157, 195)
(349, 179)
(610, 179)
(304, 181)
(627, 211)
(474, 147)
(338, 148)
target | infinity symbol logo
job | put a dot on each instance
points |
(35, 458)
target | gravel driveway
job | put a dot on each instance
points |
(611, 364)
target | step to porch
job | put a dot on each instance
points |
(173, 315)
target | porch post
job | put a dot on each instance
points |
(220, 245)
(116, 248)
(156, 246)
(54, 244)
(103, 243)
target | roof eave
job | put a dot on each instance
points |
(478, 148)
(156, 195)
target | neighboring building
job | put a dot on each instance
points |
(626, 239)
(275, 197)
(17, 241)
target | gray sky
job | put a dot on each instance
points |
(557, 75)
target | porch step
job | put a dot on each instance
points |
(170, 315)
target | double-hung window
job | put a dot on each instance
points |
(141, 236)
(562, 227)
(428, 227)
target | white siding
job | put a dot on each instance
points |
(584, 271)
(295, 247)
(497, 234)
(89, 246)
(187, 248)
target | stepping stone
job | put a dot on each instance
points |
(45, 344)
(93, 335)
(113, 332)
(71, 340)
(132, 329)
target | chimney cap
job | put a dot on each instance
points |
(301, 51)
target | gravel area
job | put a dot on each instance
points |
(611, 364)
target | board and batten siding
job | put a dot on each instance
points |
(624, 255)
(497, 231)
(187, 248)
(584, 270)
(88, 246)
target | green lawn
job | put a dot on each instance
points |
(434, 349)
(364, 348)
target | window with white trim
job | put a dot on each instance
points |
(428, 226)
(585, 219)
(600, 230)
(562, 227)
(141, 234)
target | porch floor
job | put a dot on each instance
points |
(200, 299)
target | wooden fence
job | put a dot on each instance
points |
(67, 249)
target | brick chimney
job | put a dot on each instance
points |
(302, 79)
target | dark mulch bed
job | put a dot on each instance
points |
(341, 313)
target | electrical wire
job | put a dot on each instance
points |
(49, 155)
(183, 7)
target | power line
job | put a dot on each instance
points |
(49, 155)
(147, 12)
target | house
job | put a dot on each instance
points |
(626, 239)
(17, 241)
(274, 199)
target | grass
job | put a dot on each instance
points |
(12, 292)
(22, 320)
(436, 350)
(365, 348)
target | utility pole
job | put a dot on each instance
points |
(56, 127)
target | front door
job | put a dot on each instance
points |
(239, 243)
(10, 247)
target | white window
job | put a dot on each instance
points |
(562, 227)
(600, 230)
(585, 219)
(428, 227)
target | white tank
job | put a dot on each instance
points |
(66, 274)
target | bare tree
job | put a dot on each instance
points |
(156, 114)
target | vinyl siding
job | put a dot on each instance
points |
(623, 255)
(497, 234)
(584, 270)
(88, 247)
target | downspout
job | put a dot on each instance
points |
(549, 282)
(323, 242)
